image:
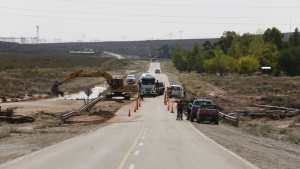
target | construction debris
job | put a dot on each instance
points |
(9, 116)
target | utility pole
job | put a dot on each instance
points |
(37, 34)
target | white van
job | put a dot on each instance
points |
(175, 91)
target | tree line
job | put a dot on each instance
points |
(244, 54)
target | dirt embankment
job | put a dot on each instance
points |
(266, 142)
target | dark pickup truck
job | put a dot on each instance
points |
(208, 112)
(194, 105)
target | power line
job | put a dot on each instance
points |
(126, 20)
(89, 13)
(188, 4)
(87, 17)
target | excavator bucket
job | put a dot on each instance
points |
(55, 87)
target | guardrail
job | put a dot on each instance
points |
(276, 107)
(234, 120)
(67, 115)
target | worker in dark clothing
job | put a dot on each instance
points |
(140, 90)
(189, 112)
(156, 86)
(179, 110)
(55, 89)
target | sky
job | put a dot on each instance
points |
(110, 20)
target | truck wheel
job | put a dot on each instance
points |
(192, 118)
(198, 119)
(216, 121)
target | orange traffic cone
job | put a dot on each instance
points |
(134, 110)
(129, 112)
(172, 111)
(137, 104)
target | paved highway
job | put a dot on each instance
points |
(153, 139)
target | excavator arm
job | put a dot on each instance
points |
(105, 75)
(80, 73)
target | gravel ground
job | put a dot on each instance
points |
(263, 152)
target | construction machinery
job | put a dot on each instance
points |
(117, 85)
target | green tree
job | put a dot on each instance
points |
(294, 40)
(236, 49)
(248, 65)
(179, 58)
(241, 45)
(273, 36)
(221, 63)
(226, 40)
(289, 61)
(266, 53)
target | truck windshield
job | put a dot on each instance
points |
(209, 106)
(202, 102)
(148, 81)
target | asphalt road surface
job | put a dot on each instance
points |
(152, 139)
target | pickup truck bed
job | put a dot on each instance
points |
(208, 114)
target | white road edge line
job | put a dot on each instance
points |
(131, 166)
(124, 160)
(222, 147)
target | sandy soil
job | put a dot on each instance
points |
(55, 105)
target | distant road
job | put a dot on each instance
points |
(151, 140)
(118, 56)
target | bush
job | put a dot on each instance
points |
(248, 65)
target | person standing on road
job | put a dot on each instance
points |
(140, 90)
(179, 110)
(156, 86)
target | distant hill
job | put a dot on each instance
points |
(161, 48)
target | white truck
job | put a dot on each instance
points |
(175, 91)
(147, 85)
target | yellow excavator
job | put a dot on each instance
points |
(117, 86)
